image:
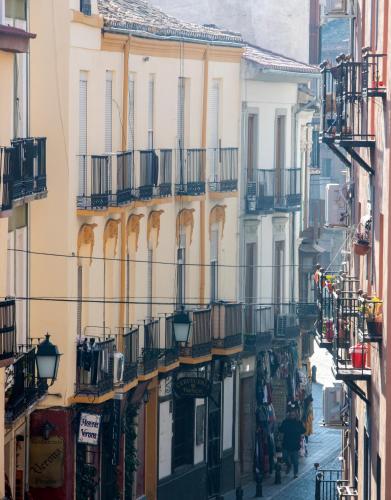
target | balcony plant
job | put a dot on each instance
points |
(373, 311)
(361, 239)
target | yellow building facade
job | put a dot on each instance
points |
(143, 114)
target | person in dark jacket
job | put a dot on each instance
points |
(292, 430)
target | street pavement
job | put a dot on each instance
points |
(324, 447)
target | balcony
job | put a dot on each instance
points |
(324, 325)
(307, 314)
(227, 328)
(7, 331)
(105, 180)
(22, 389)
(370, 319)
(223, 165)
(199, 346)
(94, 373)
(346, 91)
(23, 169)
(154, 174)
(169, 353)
(259, 327)
(190, 179)
(274, 190)
(149, 357)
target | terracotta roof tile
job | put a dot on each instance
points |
(149, 21)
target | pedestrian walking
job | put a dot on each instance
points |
(292, 430)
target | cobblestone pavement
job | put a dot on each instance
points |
(324, 447)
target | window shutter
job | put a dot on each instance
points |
(21, 284)
(181, 112)
(149, 281)
(151, 103)
(131, 114)
(214, 242)
(83, 133)
(109, 112)
(80, 298)
(213, 126)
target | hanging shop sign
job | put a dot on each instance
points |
(89, 428)
(192, 387)
(46, 462)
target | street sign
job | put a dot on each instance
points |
(192, 387)
(89, 428)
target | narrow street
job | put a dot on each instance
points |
(324, 447)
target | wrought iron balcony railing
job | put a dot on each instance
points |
(22, 387)
(130, 344)
(372, 70)
(227, 325)
(22, 171)
(272, 189)
(324, 299)
(94, 373)
(154, 174)
(259, 326)
(200, 338)
(223, 168)
(286, 321)
(370, 318)
(169, 352)
(190, 175)
(7, 329)
(150, 349)
(105, 180)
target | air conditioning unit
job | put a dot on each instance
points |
(336, 8)
(336, 206)
(118, 368)
(333, 400)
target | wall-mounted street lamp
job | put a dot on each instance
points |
(47, 358)
(182, 324)
(47, 428)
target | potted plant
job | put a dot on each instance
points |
(374, 317)
(361, 239)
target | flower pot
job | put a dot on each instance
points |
(375, 328)
(358, 355)
(329, 330)
(361, 247)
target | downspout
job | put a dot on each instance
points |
(202, 202)
(125, 105)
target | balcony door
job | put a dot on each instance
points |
(250, 284)
(280, 155)
(252, 126)
(279, 260)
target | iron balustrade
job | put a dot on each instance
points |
(94, 374)
(227, 324)
(274, 189)
(130, 343)
(372, 70)
(324, 325)
(345, 104)
(326, 483)
(258, 326)
(370, 319)
(169, 353)
(149, 357)
(105, 180)
(260, 191)
(154, 174)
(22, 387)
(7, 329)
(190, 175)
(22, 170)
(223, 168)
(200, 338)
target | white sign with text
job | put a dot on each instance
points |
(89, 428)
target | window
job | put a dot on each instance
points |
(181, 112)
(280, 156)
(183, 439)
(2, 20)
(83, 133)
(109, 112)
(131, 113)
(85, 7)
(79, 298)
(151, 106)
(252, 125)
(250, 284)
(279, 253)
(16, 9)
(150, 282)
(378, 478)
(181, 272)
(366, 471)
(214, 126)
(214, 286)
